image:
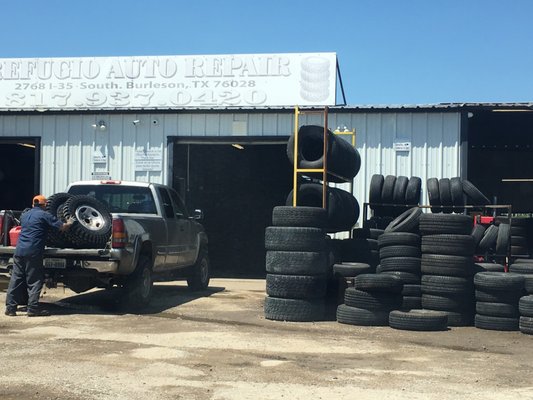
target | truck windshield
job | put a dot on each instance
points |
(120, 199)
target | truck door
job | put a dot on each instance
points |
(189, 255)
(176, 231)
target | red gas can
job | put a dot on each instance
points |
(14, 235)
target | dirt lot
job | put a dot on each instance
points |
(217, 345)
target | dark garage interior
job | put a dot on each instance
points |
(500, 156)
(18, 173)
(236, 185)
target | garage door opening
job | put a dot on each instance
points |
(19, 174)
(500, 157)
(236, 185)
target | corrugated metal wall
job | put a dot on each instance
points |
(70, 140)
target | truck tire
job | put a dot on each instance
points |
(93, 221)
(199, 280)
(54, 205)
(140, 284)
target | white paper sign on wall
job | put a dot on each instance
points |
(402, 145)
(148, 160)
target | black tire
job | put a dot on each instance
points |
(482, 267)
(446, 265)
(399, 251)
(473, 194)
(496, 323)
(445, 194)
(407, 278)
(406, 221)
(460, 318)
(418, 320)
(411, 303)
(54, 205)
(344, 160)
(519, 241)
(367, 233)
(296, 262)
(400, 188)
(453, 245)
(139, 286)
(436, 224)
(412, 193)
(296, 286)
(525, 306)
(313, 217)
(506, 281)
(298, 310)
(497, 309)
(350, 270)
(294, 239)
(387, 193)
(518, 230)
(93, 224)
(497, 296)
(199, 280)
(477, 233)
(358, 316)
(433, 194)
(488, 241)
(458, 197)
(519, 251)
(375, 301)
(398, 239)
(376, 186)
(443, 285)
(503, 239)
(402, 264)
(412, 290)
(378, 283)
(447, 302)
(526, 325)
(522, 268)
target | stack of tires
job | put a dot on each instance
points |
(447, 266)
(524, 267)
(399, 253)
(370, 301)
(497, 297)
(452, 194)
(93, 221)
(390, 196)
(525, 307)
(521, 237)
(296, 264)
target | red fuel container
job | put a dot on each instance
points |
(14, 235)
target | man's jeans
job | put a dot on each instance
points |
(27, 272)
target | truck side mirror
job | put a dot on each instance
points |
(198, 215)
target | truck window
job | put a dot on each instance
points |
(168, 211)
(120, 199)
(181, 211)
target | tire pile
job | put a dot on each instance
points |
(390, 196)
(497, 297)
(298, 252)
(447, 266)
(492, 240)
(399, 253)
(524, 267)
(92, 226)
(521, 237)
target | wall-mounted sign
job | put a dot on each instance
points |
(99, 157)
(148, 160)
(100, 176)
(402, 145)
(238, 80)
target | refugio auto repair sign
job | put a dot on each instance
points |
(248, 80)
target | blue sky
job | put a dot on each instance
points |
(390, 52)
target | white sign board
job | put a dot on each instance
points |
(402, 145)
(246, 80)
(100, 176)
(148, 160)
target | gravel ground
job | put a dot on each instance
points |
(217, 345)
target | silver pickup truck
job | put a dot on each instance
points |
(152, 237)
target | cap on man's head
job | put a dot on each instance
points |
(39, 200)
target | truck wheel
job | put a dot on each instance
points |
(199, 279)
(140, 285)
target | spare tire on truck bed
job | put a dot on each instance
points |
(92, 228)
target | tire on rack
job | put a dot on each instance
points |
(503, 239)
(412, 192)
(458, 197)
(445, 194)
(199, 280)
(374, 195)
(398, 195)
(92, 228)
(433, 194)
(477, 233)
(474, 194)
(387, 194)
(54, 205)
(489, 239)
